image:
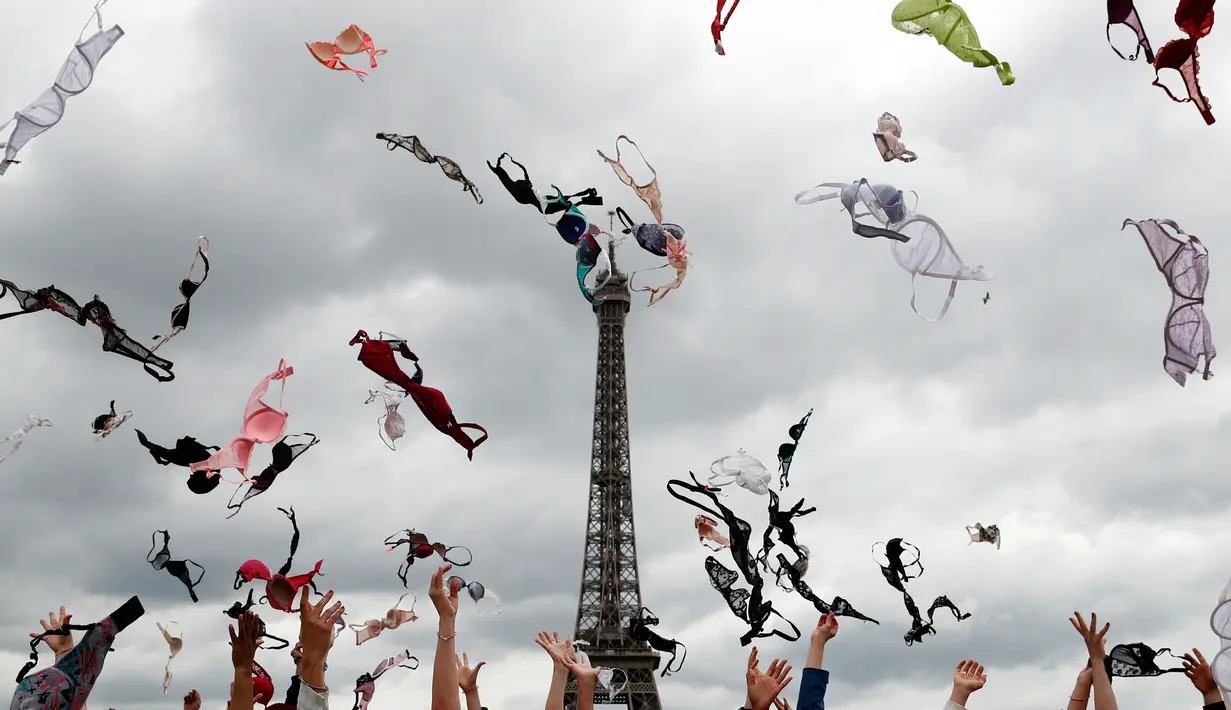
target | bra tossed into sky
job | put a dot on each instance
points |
(262, 424)
(918, 242)
(75, 77)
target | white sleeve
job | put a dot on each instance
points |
(309, 699)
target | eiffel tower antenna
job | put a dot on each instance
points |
(610, 585)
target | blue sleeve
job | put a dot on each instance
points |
(812, 689)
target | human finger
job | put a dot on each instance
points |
(323, 602)
(1200, 658)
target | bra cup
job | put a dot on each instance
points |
(653, 238)
(323, 51)
(571, 227)
(264, 426)
(395, 425)
(349, 40)
(281, 593)
(200, 482)
(923, 248)
(254, 569)
(282, 456)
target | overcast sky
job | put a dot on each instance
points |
(1046, 410)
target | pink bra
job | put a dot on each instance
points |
(263, 424)
(352, 40)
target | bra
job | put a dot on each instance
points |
(262, 424)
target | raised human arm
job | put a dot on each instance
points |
(815, 680)
(1202, 676)
(561, 653)
(1104, 697)
(587, 679)
(468, 681)
(967, 678)
(764, 688)
(1080, 697)
(316, 623)
(243, 651)
(444, 670)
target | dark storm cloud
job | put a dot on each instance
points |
(214, 120)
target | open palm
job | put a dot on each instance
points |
(969, 676)
(58, 644)
(467, 677)
(560, 650)
(763, 688)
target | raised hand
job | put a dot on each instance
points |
(1199, 672)
(316, 623)
(782, 704)
(467, 677)
(57, 644)
(581, 669)
(1095, 642)
(968, 677)
(826, 628)
(192, 701)
(763, 688)
(244, 644)
(1085, 678)
(444, 600)
(561, 652)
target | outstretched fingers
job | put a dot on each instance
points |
(316, 608)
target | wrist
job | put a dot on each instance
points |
(1211, 697)
(472, 693)
(446, 627)
(959, 696)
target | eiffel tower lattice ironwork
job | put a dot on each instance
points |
(610, 586)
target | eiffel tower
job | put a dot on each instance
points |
(610, 586)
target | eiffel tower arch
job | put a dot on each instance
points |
(610, 586)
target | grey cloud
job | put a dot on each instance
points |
(319, 231)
